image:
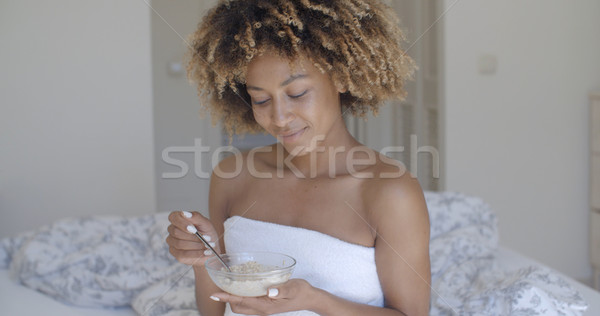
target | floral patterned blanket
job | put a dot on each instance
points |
(116, 261)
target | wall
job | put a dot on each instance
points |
(76, 122)
(519, 138)
(177, 118)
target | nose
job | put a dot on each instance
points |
(281, 113)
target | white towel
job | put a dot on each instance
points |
(341, 268)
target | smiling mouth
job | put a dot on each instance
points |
(292, 134)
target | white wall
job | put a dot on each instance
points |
(177, 119)
(519, 138)
(76, 104)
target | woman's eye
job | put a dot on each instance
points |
(260, 102)
(298, 95)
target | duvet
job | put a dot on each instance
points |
(116, 261)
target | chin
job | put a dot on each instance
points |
(301, 145)
(297, 150)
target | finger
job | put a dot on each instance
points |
(180, 234)
(184, 244)
(242, 305)
(273, 293)
(288, 289)
(183, 219)
(238, 305)
(189, 257)
(227, 298)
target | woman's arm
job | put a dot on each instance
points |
(218, 209)
(401, 220)
(328, 304)
(204, 288)
(188, 249)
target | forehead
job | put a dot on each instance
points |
(269, 65)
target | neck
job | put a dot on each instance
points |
(328, 157)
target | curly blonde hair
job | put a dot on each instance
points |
(357, 42)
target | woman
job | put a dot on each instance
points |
(292, 68)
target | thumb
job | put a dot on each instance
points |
(273, 293)
(291, 288)
(280, 291)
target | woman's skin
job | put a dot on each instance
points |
(316, 189)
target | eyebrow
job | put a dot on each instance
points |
(284, 83)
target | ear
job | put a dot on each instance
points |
(341, 89)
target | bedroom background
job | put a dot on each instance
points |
(90, 101)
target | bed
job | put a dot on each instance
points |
(17, 299)
(121, 266)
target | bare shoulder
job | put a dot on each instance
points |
(394, 194)
(228, 171)
(226, 181)
(235, 172)
(238, 167)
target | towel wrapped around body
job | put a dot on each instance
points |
(341, 268)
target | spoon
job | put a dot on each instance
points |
(192, 229)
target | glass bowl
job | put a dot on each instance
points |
(252, 272)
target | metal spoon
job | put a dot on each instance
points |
(192, 229)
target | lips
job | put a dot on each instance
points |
(290, 136)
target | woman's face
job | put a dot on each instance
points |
(298, 105)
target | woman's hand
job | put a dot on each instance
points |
(294, 295)
(186, 247)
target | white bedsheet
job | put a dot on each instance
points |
(510, 260)
(16, 299)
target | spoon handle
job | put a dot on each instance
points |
(213, 250)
